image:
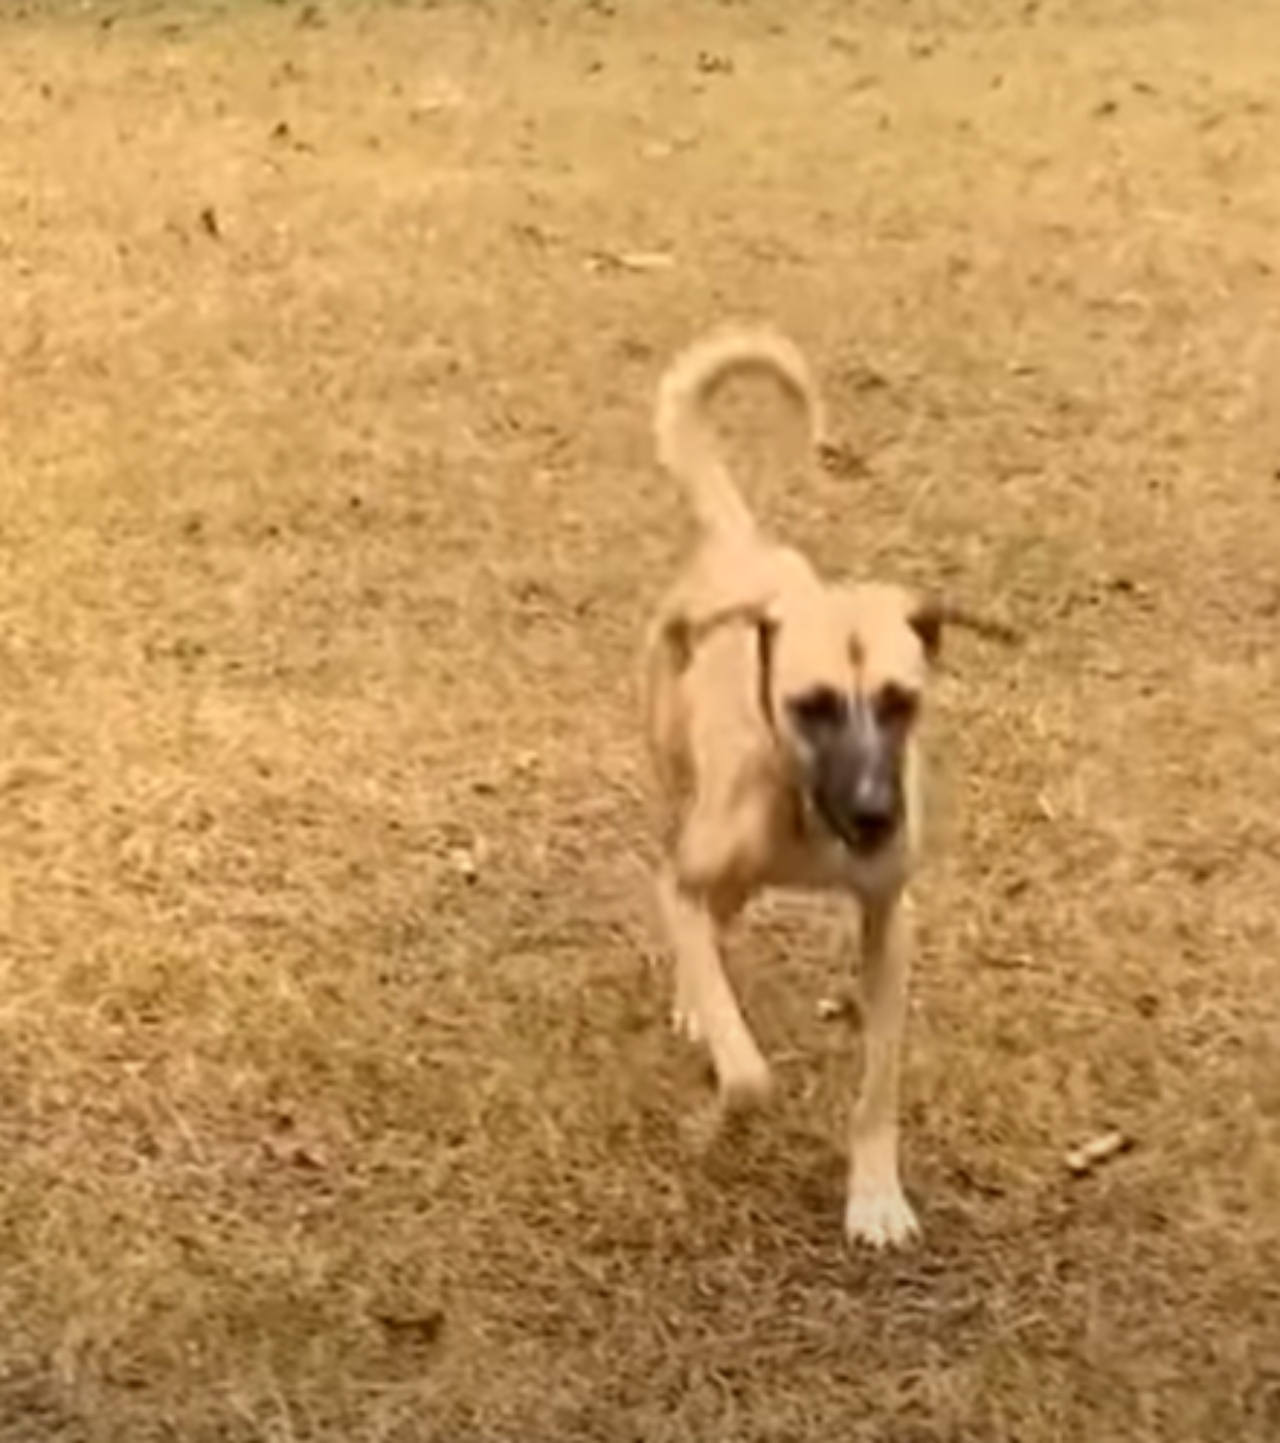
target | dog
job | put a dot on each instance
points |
(782, 717)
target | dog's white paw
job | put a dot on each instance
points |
(878, 1216)
(684, 1023)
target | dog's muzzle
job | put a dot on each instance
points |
(858, 796)
(853, 772)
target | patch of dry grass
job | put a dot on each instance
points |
(335, 1093)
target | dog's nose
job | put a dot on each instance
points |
(875, 812)
(873, 828)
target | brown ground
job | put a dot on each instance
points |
(336, 1100)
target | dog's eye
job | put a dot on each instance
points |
(820, 708)
(897, 706)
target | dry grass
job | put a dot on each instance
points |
(335, 1095)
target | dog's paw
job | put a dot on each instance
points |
(747, 1089)
(879, 1217)
(684, 1023)
(704, 1128)
(733, 1111)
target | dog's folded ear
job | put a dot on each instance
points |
(704, 602)
(931, 615)
(684, 625)
(928, 617)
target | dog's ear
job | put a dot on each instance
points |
(690, 614)
(930, 615)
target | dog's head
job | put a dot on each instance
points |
(842, 672)
(843, 677)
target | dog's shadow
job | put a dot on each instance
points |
(763, 1162)
(769, 1178)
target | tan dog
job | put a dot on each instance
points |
(782, 719)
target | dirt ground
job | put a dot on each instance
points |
(336, 1096)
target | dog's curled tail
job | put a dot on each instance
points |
(686, 440)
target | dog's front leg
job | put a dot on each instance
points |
(705, 1004)
(877, 1212)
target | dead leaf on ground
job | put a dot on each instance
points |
(638, 262)
(1096, 1151)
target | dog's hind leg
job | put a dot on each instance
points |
(877, 1212)
(706, 1008)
